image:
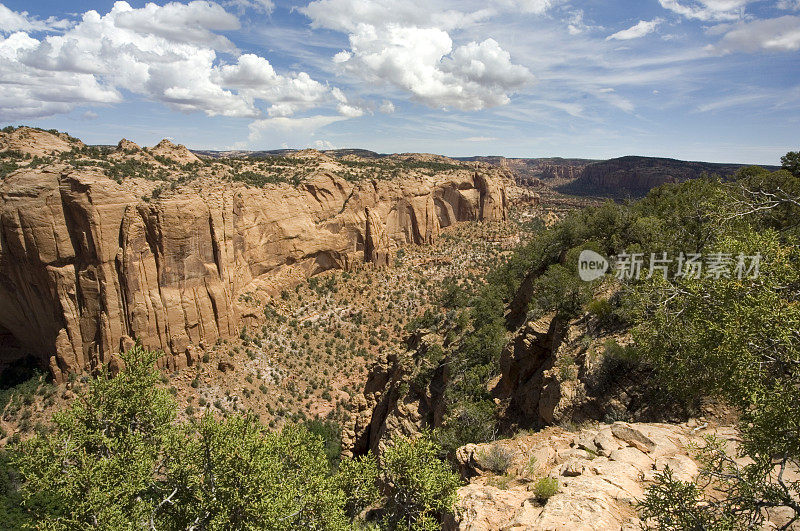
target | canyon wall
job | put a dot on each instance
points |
(86, 265)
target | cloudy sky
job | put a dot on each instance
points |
(715, 80)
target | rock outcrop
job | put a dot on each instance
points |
(85, 264)
(551, 373)
(377, 248)
(402, 395)
(175, 152)
(601, 472)
(37, 142)
(128, 146)
(557, 372)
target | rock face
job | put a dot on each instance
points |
(403, 394)
(601, 472)
(86, 265)
(177, 152)
(550, 373)
(377, 248)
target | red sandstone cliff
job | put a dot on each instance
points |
(86, 264)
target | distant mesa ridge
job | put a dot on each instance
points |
(630, 176)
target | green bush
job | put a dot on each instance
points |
(419, 487)
(358, 479)
(545, 488)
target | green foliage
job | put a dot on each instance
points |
(735, 340)
(602, 309)
(6, 167)
(453, 295)
(791, 163)
(96, 468)
(545, 488)
(419, 487)
(116, 459)
(232, 474)
(672, 504)
(358, 479)
(467, 421)
(561, 290)
(129, 168)
(331, 434)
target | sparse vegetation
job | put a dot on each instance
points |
(545, 488)
(497, 458)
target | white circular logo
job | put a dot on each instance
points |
(591, 265)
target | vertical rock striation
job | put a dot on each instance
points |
(85, 265)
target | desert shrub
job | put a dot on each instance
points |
(566, 368)
(420, 488)
(602, 309)
(496, 458)
(331, 434)
(545, 488)
(675, 505)
(235, 474)
(358, 479)
(96, 468)
(532, 466)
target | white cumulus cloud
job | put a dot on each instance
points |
(173, 54)
(408, 45)
(387, 107)
(644, 27)
(11, 21)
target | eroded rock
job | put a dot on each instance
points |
(595, 491)
(85, 262)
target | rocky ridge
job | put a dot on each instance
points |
(176, 152)
(37, 142)
(635, 176)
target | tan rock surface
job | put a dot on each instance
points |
(36, 142)
(596, 490)
(177, 152)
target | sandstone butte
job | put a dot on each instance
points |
(87, 265)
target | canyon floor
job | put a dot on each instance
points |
(314, 343)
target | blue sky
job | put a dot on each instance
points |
(715, 80)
